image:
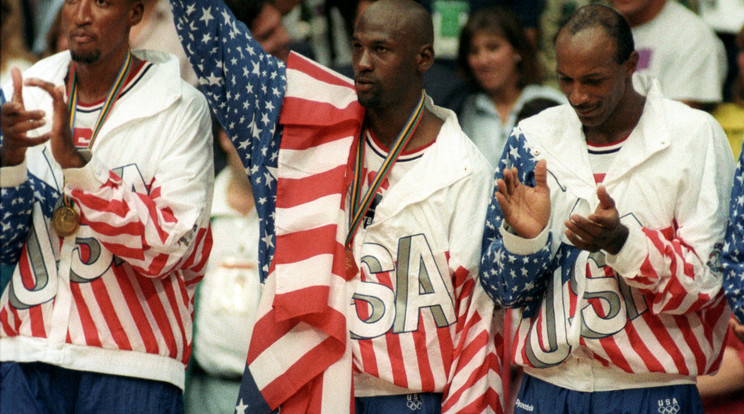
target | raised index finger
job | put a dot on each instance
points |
(15, 73)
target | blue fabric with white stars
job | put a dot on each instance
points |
(16, 208)
(513, 280)
(732, 256)
(245, 87)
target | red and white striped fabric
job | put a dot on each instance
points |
(135, 291)
(116, 297)
(300, 357)
(669, 330)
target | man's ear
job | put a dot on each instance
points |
(425, 58)
(136, 12)
(632, 63)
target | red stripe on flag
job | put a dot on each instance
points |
(466, 350)
(273, 329)
(687, 332)
(36, 317)
(305, 190)
(471, 349)
(16, 320)
(110, 315)
(98, 205)
(366, 348)
(157, 265)
(446, 348)
(422, 354)
(616, 355)
(5, 321)
(452, 397)
(27, 275)
(305, 248)
(137, 311)
(310, 365)
(654, 326)
(165, 215)
(170, 293)
(315, 71)
(158, 311)
(310, 120)
(397, 363)
(89, 327)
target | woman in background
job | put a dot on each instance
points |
(502, 69)
(14, 51)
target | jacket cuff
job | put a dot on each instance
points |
(89, 177)
(14, 175)
(521, 246)
(628, 261)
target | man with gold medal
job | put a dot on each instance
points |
(370, 200)
(106, 184)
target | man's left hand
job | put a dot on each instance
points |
(601, 230)
(63, 148)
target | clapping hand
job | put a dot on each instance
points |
(526, 209)
(63, 147)
(601, 230)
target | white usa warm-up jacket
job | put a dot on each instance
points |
(115, 297)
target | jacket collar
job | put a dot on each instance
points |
(442, 164)
(558, 135)
(163, 86)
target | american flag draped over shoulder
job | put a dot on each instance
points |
(301, 358)
(247, 89)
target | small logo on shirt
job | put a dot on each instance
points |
(526, 407)
(668, 406)
(81, 137)
(414, 402)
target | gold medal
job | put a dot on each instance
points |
(351, 267)
(65, 220)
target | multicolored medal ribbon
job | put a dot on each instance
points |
(65, 219)
(360, 205)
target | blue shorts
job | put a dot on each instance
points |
(423, 403)
(36, 387)
(540, 397)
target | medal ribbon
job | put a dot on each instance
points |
(111, 99)
(359, 208)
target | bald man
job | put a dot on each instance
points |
(605, 234)
(366, 193)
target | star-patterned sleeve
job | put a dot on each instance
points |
(732, 258)
(20, 191)
(245, 87)
(243, 84)
(512, 280)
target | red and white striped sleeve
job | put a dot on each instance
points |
(154, 230)
(678, 267)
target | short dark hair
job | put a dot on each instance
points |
(613, 23)
(503, 23)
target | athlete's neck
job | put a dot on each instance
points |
(387, 123)
(94, 80)
(620, 124)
